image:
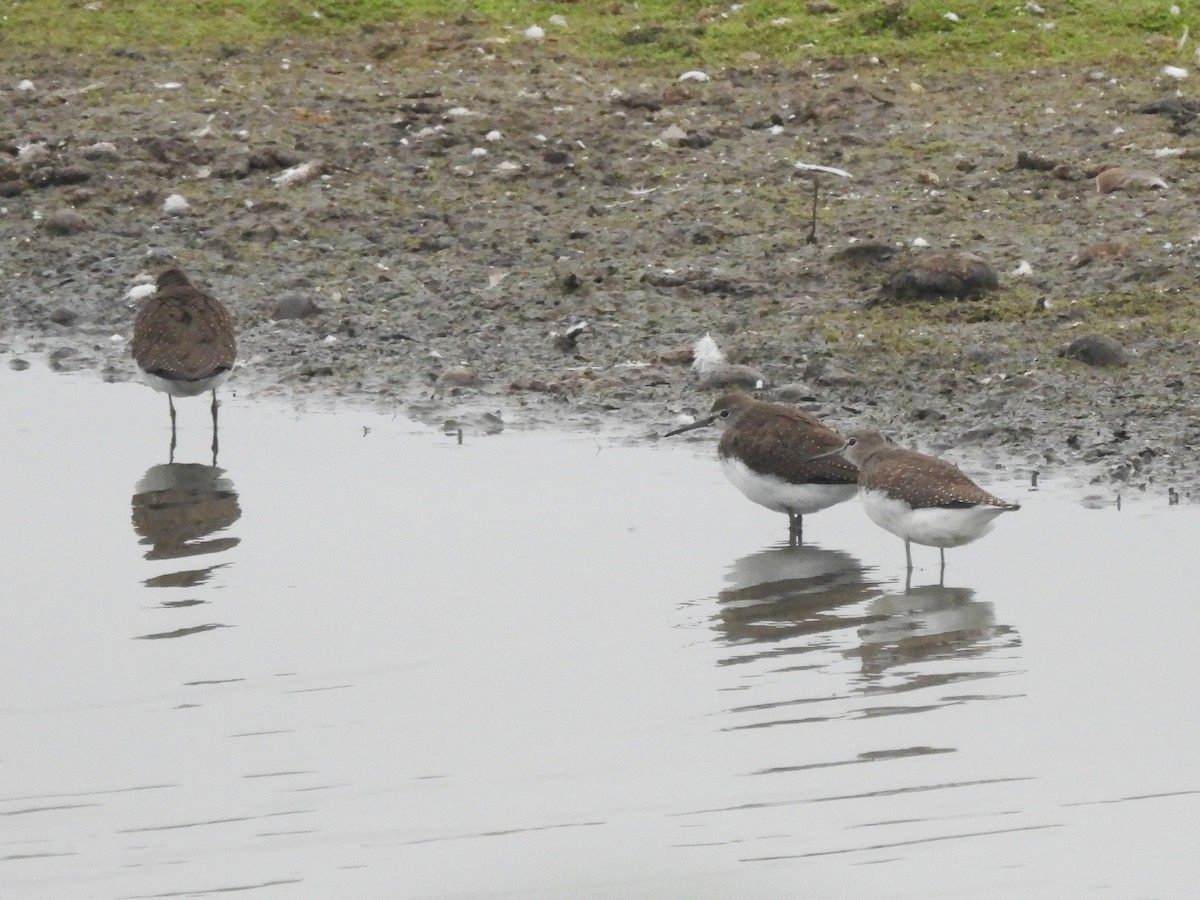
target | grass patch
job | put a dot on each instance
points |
(656, 33)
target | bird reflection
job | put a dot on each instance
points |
(179, 510)
(790, 591)
(930, 622)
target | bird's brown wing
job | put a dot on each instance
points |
(783, 442)
(925, 482)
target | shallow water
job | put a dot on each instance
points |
(362, 660)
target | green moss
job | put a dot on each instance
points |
(656, 33)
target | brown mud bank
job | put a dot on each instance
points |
(423, 232)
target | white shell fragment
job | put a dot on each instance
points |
(694, 75)
(175, 203)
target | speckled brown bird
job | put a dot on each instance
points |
(780, 457)
(183, 343)
(919, 498)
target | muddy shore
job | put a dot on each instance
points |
(421, 231)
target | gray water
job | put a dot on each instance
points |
(362, 660)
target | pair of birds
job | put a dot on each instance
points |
(789, 461)
(184, 344)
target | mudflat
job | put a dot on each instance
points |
(501, 233)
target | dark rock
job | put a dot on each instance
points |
(63, 316)
(1095, 350)
(727, 376)
(55, 175)
(954, 275)
(294, 306)
(66, 221)
(17, 364)
(865, 253)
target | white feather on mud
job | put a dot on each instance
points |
(829, 170)
(175, 203)
(300, 174)
(706, 355)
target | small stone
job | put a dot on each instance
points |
(1118, 179)
(727, 376)
(928, 177)
(460, 377)
(17, 364)
(63, 316)
(100, 150)
(1102, 251)
(1095, 350)
(954, 275)
(66, 221)
(980, 354)
(294, 306)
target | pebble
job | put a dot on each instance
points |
(460, 377)
(66, 221)
(954, 275)
(732, 376)
(1118, 179)
(294, 306)
(1095, 350)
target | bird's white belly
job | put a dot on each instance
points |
(783, 496)
(933, 526)
(177, 388)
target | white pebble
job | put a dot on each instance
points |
(459, 111)
(168, 85)
(306, 171)
(330, 339)
(1023, 269)
(560, 21)
(694, 75)
(138, 291)
(951, 17)
(32, 152)
(25, 85)
(1176, 72)
(920, 242)
(175, 203)
(493, 136)
(479, 151)
(535, 32)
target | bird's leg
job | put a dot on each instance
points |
(171, 452)
(942, 573)
(214, 415)
(908, 555)
(795, 528)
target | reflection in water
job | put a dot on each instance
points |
(793, 617)
(175, 506)
(928, 623)
(179, 509)
(786, 592)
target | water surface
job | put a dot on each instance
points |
(362, 660)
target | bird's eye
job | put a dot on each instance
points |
(851, 442)
(724, 414)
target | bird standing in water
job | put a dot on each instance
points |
(922, 499)
(780, 457)
(184, 343)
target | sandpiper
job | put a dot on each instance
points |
(780, 457)
(919, 498)
(183, 343)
